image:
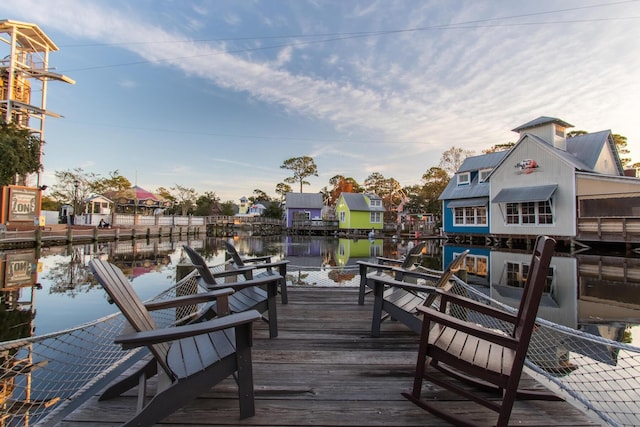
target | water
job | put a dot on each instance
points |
(593, 292)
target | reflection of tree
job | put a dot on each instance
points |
(300, 279)
(340, 276)
(71, 276)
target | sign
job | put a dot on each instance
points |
(23, 204)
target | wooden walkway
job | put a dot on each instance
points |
(325, 370)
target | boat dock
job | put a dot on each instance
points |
(324, 369)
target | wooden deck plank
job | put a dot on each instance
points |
(324, 369)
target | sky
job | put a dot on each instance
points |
(215, 95)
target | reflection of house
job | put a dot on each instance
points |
(302, 207)
(476, 262)
(358, 211)
(349, 251)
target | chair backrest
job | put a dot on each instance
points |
(533, 289)
(200, 264)
(117, 286)
(444, 282)
(414, 255)
(233, 253)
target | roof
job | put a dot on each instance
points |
(358, 202)
(27, 34)
(587, 147)
(304, 201)
(475, 189)
(538, 193)
(542, 120)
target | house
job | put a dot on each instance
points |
(546, 184)
(466, 198)
(302, 207)
(358, 211)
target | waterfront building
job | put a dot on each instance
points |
(359, 211)
(569, 188)
(302, 207)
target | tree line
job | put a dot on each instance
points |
(20, 156)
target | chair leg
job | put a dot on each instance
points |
(149, 369)
(272, 292)
(245, 372)
(376, 319)
(363, 283)
(282, 270)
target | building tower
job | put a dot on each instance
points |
(24, 74)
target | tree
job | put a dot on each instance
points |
(185, 198)
(623, 151)
(227, 208)
(207, 204)
(499, 147)
(435, 181)
(452, 159)
(72, 187)
(166, 194)
(282, 189)
(302, 167)
(115, 182)
(273, 210)
(259, 195)
(20, 154)
(339, 184)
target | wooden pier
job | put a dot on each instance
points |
(324, 369)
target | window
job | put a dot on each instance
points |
(530, 213)
(376, 217)
(483, 174)
(464, 178)
(375, 203)
(343, 216)
(470, 215)
(517, 274)
(560, 131)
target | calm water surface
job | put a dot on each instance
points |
(594, 292)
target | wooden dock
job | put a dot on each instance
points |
(325, 370)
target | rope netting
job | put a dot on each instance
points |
(40, 376)
(43, 376)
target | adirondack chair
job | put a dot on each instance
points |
(249, 294)
(400, 298)
(387, 266)
(191, 358)
(260, 263)
(470, 352)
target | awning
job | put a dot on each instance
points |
(464, 203)
(540, 193)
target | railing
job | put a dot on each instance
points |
(609, 229)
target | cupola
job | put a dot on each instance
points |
(551, 130)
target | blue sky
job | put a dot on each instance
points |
(215, 95)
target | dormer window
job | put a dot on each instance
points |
(464, 178)
(560, 131)
(375, 203)
(483, 174)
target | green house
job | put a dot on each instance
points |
(358, 211)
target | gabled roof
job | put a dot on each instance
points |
(474, 189)
(542, 120)
(588, 147)
(358, 202)
(304, 201)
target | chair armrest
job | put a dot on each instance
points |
(497, 337)
(382, 260)
(414, 287)
(233, 272)
(247, 283)
(266, 258)
(401, 272)
(156, 336)
(448, 298)
(365, 265)
(270, 264)
(189, 299)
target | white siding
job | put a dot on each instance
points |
(551, 170)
